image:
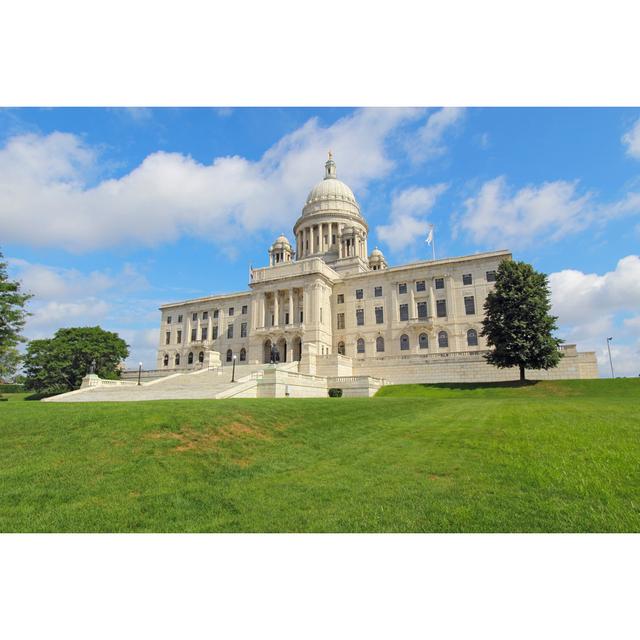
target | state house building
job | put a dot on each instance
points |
(336, 309)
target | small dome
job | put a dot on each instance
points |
(281, 240)
(376, 253)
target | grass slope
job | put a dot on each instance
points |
(551, 456)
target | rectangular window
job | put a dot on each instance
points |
(402, 288)
(469, 305)
(231, 310)
(359, 317)
(421, 286)
(379, 315)
(441, 306)
(467, 278)
(168, 319)
(205, 315)
(359, 294)
(229, 331)
(179, 319)
(286, 318)
(194, 317)
(244, 309)
(215, 313)
(204, 332)
(301, 317)
(167, 337)
(179, 337)
(340, 321)
(243, 330)
(422, 310)
(377, 292)
(341, 298)
(404, 312)
(491, 276)
(439, 283)
(214, 333)
(194, 333)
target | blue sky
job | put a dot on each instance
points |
(107, 213)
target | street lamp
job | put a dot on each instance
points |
(233, 371)
(139, 372)
(609, 350)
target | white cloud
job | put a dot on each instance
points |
(47, 197)
(589, 307)
(632, 140)
(427, 142)
(407, 222)
(498, 216)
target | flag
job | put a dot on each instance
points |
(429, 239)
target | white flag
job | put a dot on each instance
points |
(429, 239)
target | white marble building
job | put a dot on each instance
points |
(338, 310)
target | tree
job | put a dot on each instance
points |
(58, 364)
(12, 314)
(517, 321)
(9, 362)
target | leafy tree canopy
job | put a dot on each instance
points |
(517, 322)
(12, 312)
(58, 364)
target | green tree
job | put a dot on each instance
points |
(9, 362)
(517, 321)
(58, 364)
(12, 313)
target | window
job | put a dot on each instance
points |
(359, 317)
(205, 315)
(379, 315)
(201, 356)
(244, 309)
(216, 313)
(379, 344)
(469, 305)
(179, 337)
(177, 360)
(341, 350)
(231, 311)
(168, 319)
(491, 276)
(360, 345)
(340, 321)
(423, 341)
(404, 342)
(286, 318)
(377, 292)
(301, 316)
(229, 355)
(439, 283)
(194, 317)
(165, 360)
(359, 294)
(243, 354)
(472, 338)
(441, 308)
(204, 333)
(341, 298)
(422, 310)
(214, 333)
(229, 331)
(243, 330)
(404, 312)
(179, 319)
(421, 286)
(167, 337)
(467, 278)
(190, 359)
(194, 336)
(443, 339)
(402, 288)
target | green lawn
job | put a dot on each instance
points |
(552, 456)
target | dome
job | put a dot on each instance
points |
(281, 240)
(376, 253)
(331, 189)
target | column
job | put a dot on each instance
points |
(291, 318)
(312, 243)
(275, 308)
(412, 310)
(431, 311)
(264, 309)
(394, 302)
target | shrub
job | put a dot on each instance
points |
(335, 393)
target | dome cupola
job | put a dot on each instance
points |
(280, 250)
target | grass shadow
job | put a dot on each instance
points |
(470, 386)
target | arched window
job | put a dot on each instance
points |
(360, 345)
(379, 344)
(243, 354)
(229, 355)
(341, 350)
(177, 359)
(404, 342)
(443, 339)
(472, 338)
(424, 341)
(201, 356)
(190, 359)
(166, 360)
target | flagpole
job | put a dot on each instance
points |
(433, 243)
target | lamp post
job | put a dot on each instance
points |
(139, 372)
(233, 370)
(610, 360)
